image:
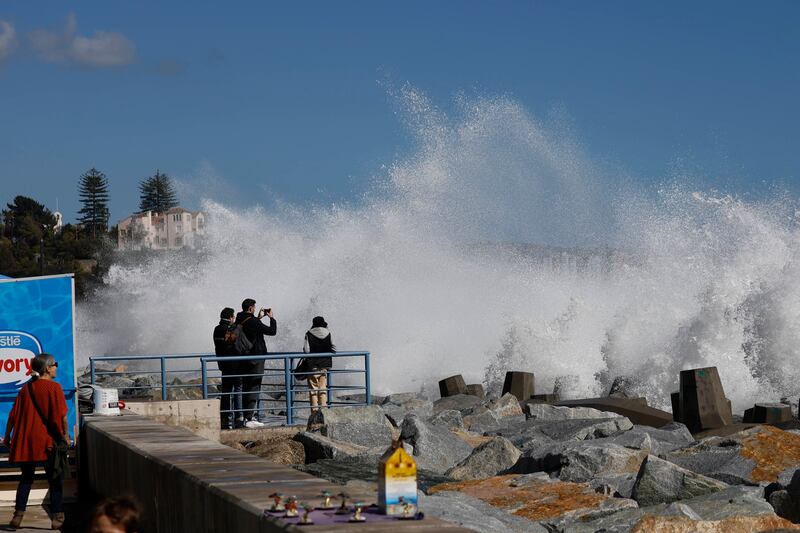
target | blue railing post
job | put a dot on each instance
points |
(91, 368)
(163, 378)
(204, 378)
(367, 387)
(328, 388)
(287, 378)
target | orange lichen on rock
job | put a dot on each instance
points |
(537, 500)
(773, 451)
(471, 438)
(735, 524)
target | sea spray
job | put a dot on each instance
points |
(494, 245)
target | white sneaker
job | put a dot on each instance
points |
(253, 424)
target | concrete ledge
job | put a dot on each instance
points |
(187, 483)
(198, 416)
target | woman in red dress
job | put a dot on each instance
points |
(29, 439)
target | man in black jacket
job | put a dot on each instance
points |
(255, 330)
(231, 399)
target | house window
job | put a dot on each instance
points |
(178, 241)
(179, 227)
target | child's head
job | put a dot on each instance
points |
(116, 515)
(319, 322)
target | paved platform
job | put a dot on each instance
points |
(188, 483)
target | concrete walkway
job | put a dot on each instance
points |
(188, 483)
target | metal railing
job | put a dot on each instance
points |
(286, 397)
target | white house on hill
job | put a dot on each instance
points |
(177, 228)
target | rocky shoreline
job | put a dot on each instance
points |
(499, 464)
(608, 464)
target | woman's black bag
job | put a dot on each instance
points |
(57, 458)
(302, 366)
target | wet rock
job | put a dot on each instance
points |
(759, 455)
(363, 468)
(623, 387)
(484, 422)
(399, 398)
(471, 513)
(317, 447)
(360, 398)
(666, 438)
(486, 460)
(505, 406)
(450, 419)
(460, 402)
(547, 412)
(554, 504)
(660, 481)
(364, 426)
(435, 448)
(735, 524)
(732, 501)
(581, 461)
(396, 412)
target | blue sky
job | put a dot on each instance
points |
(286, 101)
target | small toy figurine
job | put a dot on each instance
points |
(343, 509)
(277, 504)
(306, 519)
(326, 504)
(357, 516)
(291, 507)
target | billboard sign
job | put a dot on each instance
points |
(36, 315)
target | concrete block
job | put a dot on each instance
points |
(520, 384)
(632, 408)
(546, 398)
(703, 404)
(198, 416)
(768, 413)
(675, 399)
(452, 386)
(476, 389)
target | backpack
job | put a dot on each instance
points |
(241, 344)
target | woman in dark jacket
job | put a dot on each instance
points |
(318, 340)
(231, 397)
(31, 436)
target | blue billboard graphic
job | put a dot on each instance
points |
(36, 315)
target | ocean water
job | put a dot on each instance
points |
(495, 244)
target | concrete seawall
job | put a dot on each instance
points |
(187, 483)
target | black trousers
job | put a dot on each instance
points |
(26, 483)
(251, 384)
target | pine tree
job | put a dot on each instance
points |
(157, 194)
(93, 193)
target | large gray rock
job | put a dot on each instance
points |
(660, 481)
(505, 406)
(450, 419)
(732, 501)
(486, 460)
(435, 448)
(365, 426)
(471, 513)
(727, 503)
(396, 412)
(399, 398)
(460, 402)
(580, 461)
(319, 447)
(547, 412)
(667, 438)
(535, 433)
